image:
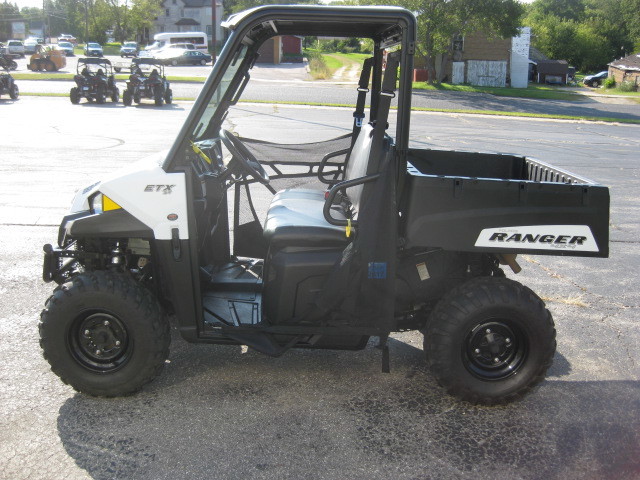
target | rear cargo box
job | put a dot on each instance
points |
(466, 201)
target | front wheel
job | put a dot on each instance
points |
(104, 334)
(73, 95)
(490, 341)
(115, 95)
(127, 98)
(168, 96)
(14, 93)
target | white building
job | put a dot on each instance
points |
(189, 16)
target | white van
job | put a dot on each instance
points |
(161, 40)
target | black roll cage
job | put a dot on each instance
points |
(386, 26)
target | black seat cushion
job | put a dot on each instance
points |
(295, 218)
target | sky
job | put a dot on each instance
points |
(38, 3)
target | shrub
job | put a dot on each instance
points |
(609, 83)
(628, 87)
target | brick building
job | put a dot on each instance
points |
(626, 69)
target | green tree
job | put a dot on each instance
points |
(587, 33)
(440, 21)
(234, 6)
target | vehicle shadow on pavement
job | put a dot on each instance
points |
(216, 412)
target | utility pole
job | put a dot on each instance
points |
(213, 29)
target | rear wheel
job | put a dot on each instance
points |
(101, 94)
(595, 83)
(174, 62)
(490, 341)
(49, 66)
(158, 96)
(14, 93)
(115, 95)
(73, 95)
(104, 334)
(126, 97)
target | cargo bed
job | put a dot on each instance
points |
(470, 202)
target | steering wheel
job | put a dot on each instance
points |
(244, 157)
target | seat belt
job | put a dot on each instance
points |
(387, 93)
(363, 89)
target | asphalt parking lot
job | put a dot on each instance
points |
(222, 412)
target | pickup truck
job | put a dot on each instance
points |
(218, 233)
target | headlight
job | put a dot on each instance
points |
(101, 203)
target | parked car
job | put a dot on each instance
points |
(65, 37)
(31, 43)
(15, 47)
(595, 80)
(93, 50)
(183, 57)
(67, 48)
(129, 49)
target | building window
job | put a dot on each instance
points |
(209, 30)
(166, 12)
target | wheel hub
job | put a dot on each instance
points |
(494, 350)
(100, 342)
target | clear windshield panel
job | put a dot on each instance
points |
(219, 94)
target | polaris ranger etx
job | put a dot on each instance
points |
(383, 238)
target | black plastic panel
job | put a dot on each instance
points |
(451, 197)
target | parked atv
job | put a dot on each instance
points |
(95, 81)
(153, 84)
(7, 62)
(385, 237)
(7, 84)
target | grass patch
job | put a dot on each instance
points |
(69, 76)
(417, 109)
(317, 65)
(617, 91)
(533, 91)
(332, 61)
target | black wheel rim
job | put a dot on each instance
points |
(495, 349)
(100, 342)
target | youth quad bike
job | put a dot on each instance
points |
(7, 62)
(153, 84)
(383, 237)
(95, 81)
(7, 84)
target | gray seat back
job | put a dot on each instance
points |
(358, 164)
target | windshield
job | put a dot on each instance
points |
(220, 94)
(130, 45)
